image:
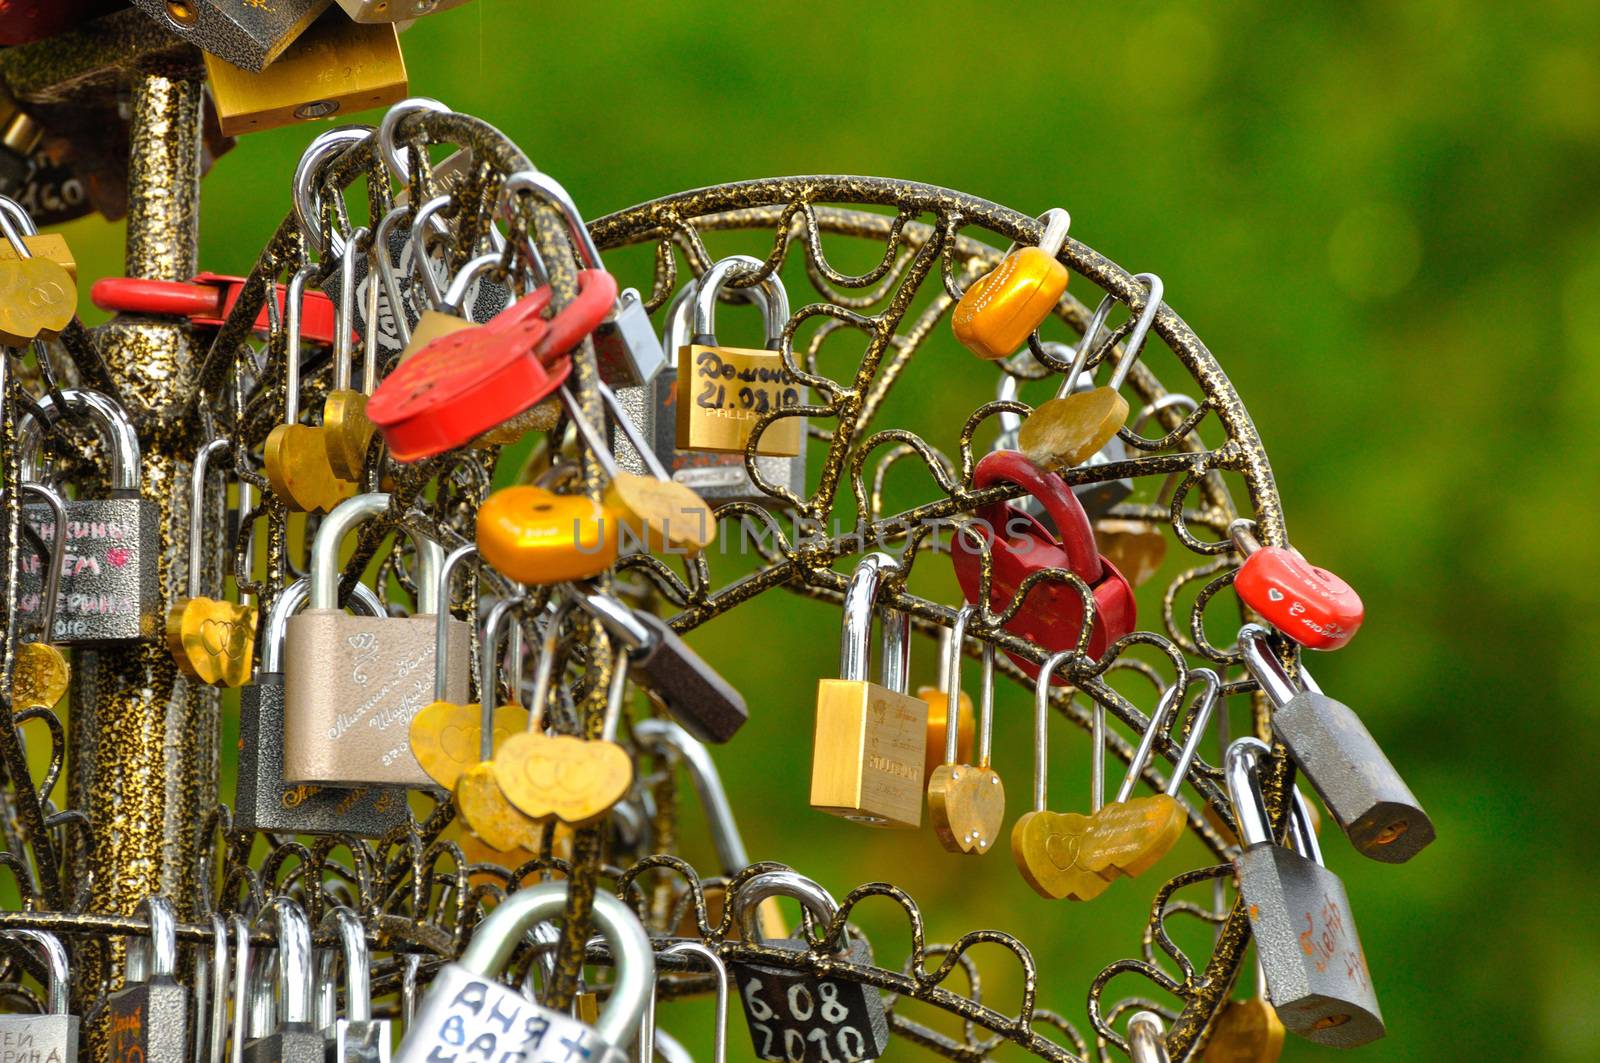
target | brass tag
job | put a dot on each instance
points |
(724, 391)
(1048, 848)
(213, 641)
(1065, 432)
(446, 738)
(967, 807)
(574, 779)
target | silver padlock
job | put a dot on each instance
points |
(1317, 975)
(53, 1036)
(353, 683)
(286, 1035)
(109, 590)
(469, 1015)
(1369, 799)
(150, 1015)
(355, 1037)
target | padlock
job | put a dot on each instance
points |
(286, 1034)
(53, 1036)
(109, 587)
(1317, 975)
(394, 10)
(799, 1016)
(335, 67)
(150, 1015)
(206, 300)
(40, 672)
(625, 345)
(250, 35)
(939, 712)
(1368, 798)
(352, 683)
(967, 802)
(716, 478)
(1246, 1031)
(1000, 309)
(38, 297)
(212, 640)
(1051, 615)
(1145, 1039)
(694, 693)
(296, 455)
(345, 427)
(871, 738)
(1311, 605)
(1099, 496)
(538, 537)
(726, 390)
(468, 1014)
(356, 1037)
(263, 801)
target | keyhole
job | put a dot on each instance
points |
(182, 13)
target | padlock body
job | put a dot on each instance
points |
(704, 703)
(999, 309)
(108, 589)
(358, 1041)
(724, 391)
(264, 802)
(474, 1019)
(149, 1022)
(1345, 764)
(799, 1017)
(868, 753)
(352, 684)
(291, 1044)
(247, 35)
(39, 1038)
(394, 10)
(626, 347)
(1308, 604)
(1316, 973)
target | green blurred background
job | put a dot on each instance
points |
(1380, 217)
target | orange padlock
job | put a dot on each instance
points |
(536, 536)
(999, 309)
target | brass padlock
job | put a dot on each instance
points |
(351, 683)
(871, 738)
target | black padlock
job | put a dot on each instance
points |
(1373, 805)
(150, 1015)
(282, 1035)
(797, 1016)
(1316, 973)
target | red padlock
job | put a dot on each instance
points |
(467, 382)
(1311, 605)
(1052, 613)
(207, 300)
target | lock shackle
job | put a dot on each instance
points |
(321, 152)
(352, 952)
(455, 294)
(388, 151)
(498, 936)
(952, 691)
(292, 975)
(51, 589)
(1041, 731)
(293, 297)
(115, 429)
(197, 505)
(544, 674)
(1130, 347)
(1240, 765)
(665, 738)
(360, 243)
(358, 509)
(774, 311)
(288, 602)
(1197, 726)
(1147, 741)
(216, 1021)
(157, 955)
(1174, 398)
(14, 233)
(1267, 670)
(1074, 533)
(1301, 830)
(55, 961)
(14, 217)
(555, 194)
(441, 630)
(488, 658)
(241, 986)
(591, 437)
(860, 597)
(679, 329)
(618, 619)
(1145, 1039)
(423, 227)
(381, 234)
(719, 970)
(812, 897)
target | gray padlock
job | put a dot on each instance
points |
(109, 590)
(247, 34)
(1317, 975)
(695, 693)
(53, 1036)
(468, 1015)
(263, 801)
(286, 1034)
(150, 1015)
(355, 1037)
(1345, 764)
(796, 1016)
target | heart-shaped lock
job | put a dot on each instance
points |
(212, 641)
(297, 467)
(966, 802)
(537, 537)
(1048, 850)
(1308, 604)
(1126, 838)
(446, 738)
(1052, 613)
(1245, 1031)
(1137, 548)
(487, 813)
(574, 779)
(38, 299)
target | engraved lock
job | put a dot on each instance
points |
(717, 478)
(725, 391)
(354, 1037)
(1371, 802)
(468, 1013)
(296, 455)
(483, 807)
(353, 683)
(1145, 1043)
(999, 309)
(38, 296)
(41, 673)
(1317, 976)
(967, 802)
(150, 1014)
(799, 1016)
(53, 1036)
(247, 35)
(212, 640)
(335, 66)
(286, 1034)
(263, 801)
(109, 590)
(871, 738)
(1308, 604)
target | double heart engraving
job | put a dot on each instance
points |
(1067, 855)
(213, 641)
(574, 779)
